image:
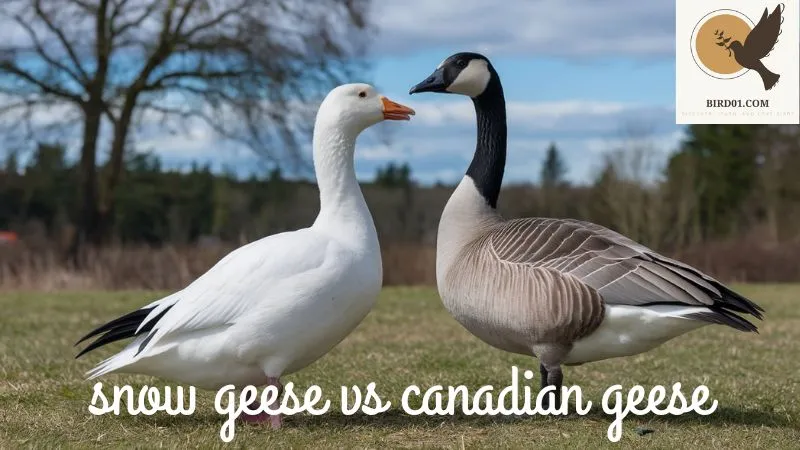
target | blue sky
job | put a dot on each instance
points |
(584, 106)
(578, 74)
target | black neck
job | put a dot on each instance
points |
(489, 161)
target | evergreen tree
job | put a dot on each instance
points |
(393, 175)
(726, 170)
(11, 164)
(553, 168)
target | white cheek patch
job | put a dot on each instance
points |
(472, 80)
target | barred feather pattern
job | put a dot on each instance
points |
(531, 281)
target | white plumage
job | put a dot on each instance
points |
(261, 310)
(280, 303)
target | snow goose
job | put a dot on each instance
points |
(565, 291)
(276, 305)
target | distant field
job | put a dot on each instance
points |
(408, 339)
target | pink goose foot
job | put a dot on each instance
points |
(275, 420)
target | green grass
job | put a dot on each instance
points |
(408, 339)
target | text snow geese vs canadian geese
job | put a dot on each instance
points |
(278, 304)
(566, 291)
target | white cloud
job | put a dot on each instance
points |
(380, 152)
(14, 111)
(544, 120)
(440, 139)
(542, 115)
(443, 175)
(664, 141)
(578, 28)
(184, 144)
(583, 157)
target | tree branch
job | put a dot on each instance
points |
(41, 52)
(45, 88)
(37, 7)
(148, 10)
(118, 6)
(188, 35)
(186, 11)
(86, 6)
(159, 83)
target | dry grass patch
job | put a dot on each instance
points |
(408, 339)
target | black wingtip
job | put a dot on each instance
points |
(742, 304)
(114, 335)
(144, 342)
(723, 317)
(724, 297)
(121, 328)
(137, 317)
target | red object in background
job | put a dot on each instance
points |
(8, 236)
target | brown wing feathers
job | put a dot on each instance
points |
(619, 269)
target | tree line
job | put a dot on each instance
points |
(106, 72)
(724, 182)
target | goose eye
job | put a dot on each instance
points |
(461, 63)
(362, 94)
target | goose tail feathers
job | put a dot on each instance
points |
(122, 359)
(724, 317)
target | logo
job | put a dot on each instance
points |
(737, 62)
(746, 44)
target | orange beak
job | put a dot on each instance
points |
(395, 111)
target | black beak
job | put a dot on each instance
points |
(434, 83)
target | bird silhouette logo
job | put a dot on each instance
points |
(726, 44)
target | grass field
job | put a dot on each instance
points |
(408, 339)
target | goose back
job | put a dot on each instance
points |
(542, 280)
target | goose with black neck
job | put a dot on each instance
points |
(565, 291)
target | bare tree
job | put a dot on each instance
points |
(778, 160)
(769, 162)
(683, 189)
(246, 69)
(631, 187)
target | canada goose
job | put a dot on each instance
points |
(566, 291)
(276, 305)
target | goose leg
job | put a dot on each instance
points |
(543, 375)
(275, 420)
(554, 378)
(550, 357)
(551, 377)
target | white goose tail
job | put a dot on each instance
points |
(119, 361)
(136, 324)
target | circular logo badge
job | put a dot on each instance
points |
(711, 38)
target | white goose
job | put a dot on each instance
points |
(276, 305)
(566, 291)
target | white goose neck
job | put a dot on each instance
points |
(341, 200)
